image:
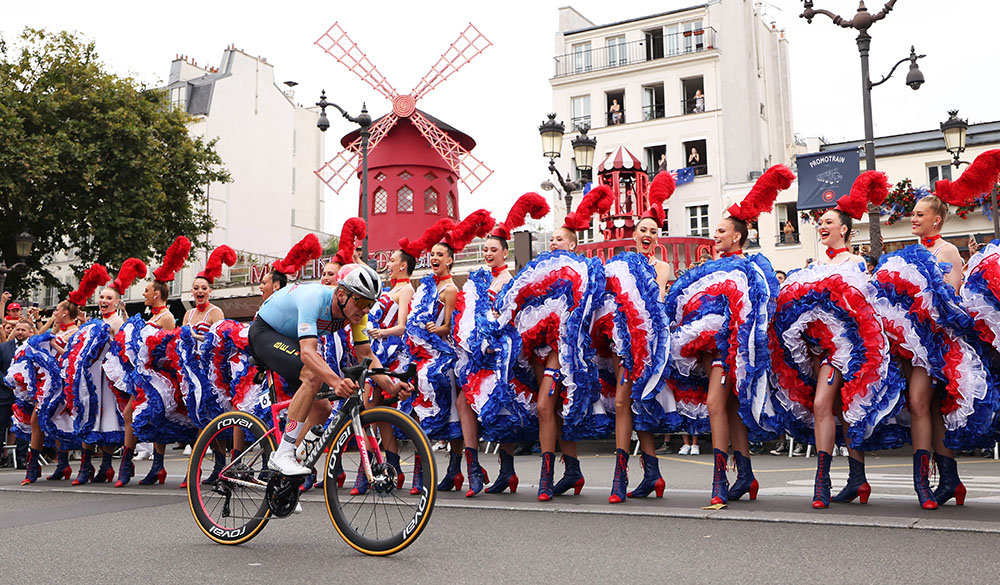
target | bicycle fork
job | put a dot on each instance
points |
(365, 442)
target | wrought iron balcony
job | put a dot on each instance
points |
(622, 54)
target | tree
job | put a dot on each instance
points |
(92, 162)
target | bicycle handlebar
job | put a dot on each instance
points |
(362, 371)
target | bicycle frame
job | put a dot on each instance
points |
(351, 408)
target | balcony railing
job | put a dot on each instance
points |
(614, 118)
(653, 111)
(580, 122)
(619, 55)
(693, 105)
(790, 239)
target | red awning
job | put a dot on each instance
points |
(620, 159)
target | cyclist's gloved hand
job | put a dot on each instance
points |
(401, 390)
(344, 388)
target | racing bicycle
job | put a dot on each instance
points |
(234, 506)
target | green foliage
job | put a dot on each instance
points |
(93, 162)
(331, 246)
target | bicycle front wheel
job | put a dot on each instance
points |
(231, 507)
(383, 518)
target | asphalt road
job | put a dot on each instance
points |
(51, 532)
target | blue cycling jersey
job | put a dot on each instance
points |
(303, 310)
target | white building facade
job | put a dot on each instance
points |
(705, 87)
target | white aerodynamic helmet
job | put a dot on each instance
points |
(360, 280)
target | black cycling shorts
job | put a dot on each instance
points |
(276, 352)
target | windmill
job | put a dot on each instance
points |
(470, 43)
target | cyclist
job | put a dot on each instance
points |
(283, 338)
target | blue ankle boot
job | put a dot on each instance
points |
(308, 483)
(821, 485)
(220, 464)
(652, 481)
(393, 460)
(34, 470)
(361, 484)
(453, 478)
(619, 485)
(86, 468)
(546, 476)
(418, 476)
(507, 478)
(106, 472)
(63, 470)
(720, 483)
(921, 482)
(950, 486)
(745, 481)
(126, 468)
(572, 477)
(857, 484)
(157, 474)
(475, 472)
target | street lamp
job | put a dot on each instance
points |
(954, 130)
(364, 121)
(861, 22)
(22, 248)
(583, 152)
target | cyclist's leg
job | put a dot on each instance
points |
(280, 354)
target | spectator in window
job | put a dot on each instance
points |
(694, 159)
(789, 232)
(616, 112)
(699, 101)
(753, 238)
(661, 165)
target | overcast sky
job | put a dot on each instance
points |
(501, 97)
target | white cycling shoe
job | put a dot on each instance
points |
(286, 464)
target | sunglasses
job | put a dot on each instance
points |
(363, 304)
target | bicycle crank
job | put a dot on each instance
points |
(282, 494)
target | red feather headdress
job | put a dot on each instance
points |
(173, 260)
(531, 204)
(131, 270)
(307, 249)
(597, 200)
(354, 229)
(94, 277)
(659, 191)
(869, 187)
(476, 225)
(981, 176)
(213, 268)
(761, 198)
(433, 235)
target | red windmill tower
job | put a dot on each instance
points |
(410, 186)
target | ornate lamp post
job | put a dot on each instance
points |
(583, 152)
(364, 121)
(861, 22)
(954, 130)
(22, 248)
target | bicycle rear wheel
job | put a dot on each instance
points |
(385, 519)
(231, 509)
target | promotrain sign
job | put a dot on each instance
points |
(825, 177)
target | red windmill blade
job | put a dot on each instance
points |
(338, 45)
(467, 46)
(470, 43)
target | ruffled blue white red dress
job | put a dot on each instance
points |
(926, 324)
(34, 374)
(160, 414)
(630, 322)
(724, 306)
(391, 351)
(435, 360)
(486, 363)
(981, 292)
(95, 408)
(827, 310)
(550, 304)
